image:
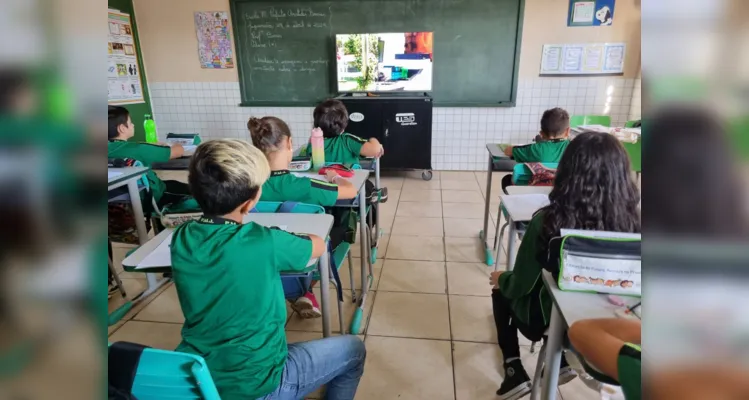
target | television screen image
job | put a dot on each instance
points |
(384, 62)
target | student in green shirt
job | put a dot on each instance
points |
(273, 137)
(612, 346)
(331, 117)
(121, 129)
(555, 131)
(227, 275)
(593, 190)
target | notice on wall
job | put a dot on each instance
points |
(124, 84)
(591, 13)
(214, 40)
(577, 59)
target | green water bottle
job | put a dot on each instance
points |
(149, 125)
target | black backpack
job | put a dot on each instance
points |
(122, 363)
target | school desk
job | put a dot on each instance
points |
(177, 164)
(498, 162)
(316, 224)
(360, 176)
(118, 177)
(520, 208)
(567, 308)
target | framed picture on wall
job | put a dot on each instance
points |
(591, 13)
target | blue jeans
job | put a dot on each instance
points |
(336, 361)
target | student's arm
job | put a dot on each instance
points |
(508, 151)
(523, 153)
(293, 251)
(600, 341)
(177, 151)
(346, 189)
(372, 148)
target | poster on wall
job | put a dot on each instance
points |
(591, 13)
(123, 75)
(581, 59)
(214, 41)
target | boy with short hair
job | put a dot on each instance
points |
(555, 131)
(228, 281)
(331, 117)
(121, 129)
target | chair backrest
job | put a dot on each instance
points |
(521, 174)
(163, 374)
(577, 120)
(288, 207)
(604, 262)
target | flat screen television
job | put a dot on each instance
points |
(384, 62)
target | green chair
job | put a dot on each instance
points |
(164, 374)
(634, 150)
(296, 284)
(577, 120)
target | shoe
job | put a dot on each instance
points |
(517, 383)
(112, 290)
(566, 373)
(306, 306)
(379, 196)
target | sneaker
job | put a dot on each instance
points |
(517, 383)
(306, 306)
(566, 373)
(380, 196)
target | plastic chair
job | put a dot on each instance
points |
(577, 120)
(521, 176)
(164, 374)
(297, 284)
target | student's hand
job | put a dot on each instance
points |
(381, 153)
(330, 174)
(494, 278)
(177, 151)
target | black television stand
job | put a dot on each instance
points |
(401, 121)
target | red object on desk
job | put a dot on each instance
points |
(340, 169)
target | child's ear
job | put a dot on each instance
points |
(566, 132)
(121, 128)
(245, 207)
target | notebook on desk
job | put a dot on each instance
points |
(189, 149)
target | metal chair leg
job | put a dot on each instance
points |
(537, 376)
(116, 277)
(351, 277)
(499, 244)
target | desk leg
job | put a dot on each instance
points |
(324, 269)
(553, 356)
(484, 234)
(376, 238)
(510, 244)
(364, 244)
(140, 224)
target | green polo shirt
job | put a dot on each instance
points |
(229, 288)
(147, 154)
(544, 151)
(629, 365)
(285, 186)
(343, 149)
(522, 283)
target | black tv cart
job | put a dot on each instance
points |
(402, 122)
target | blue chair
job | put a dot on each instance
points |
(297, 284)
(163, 374)
(521, 176)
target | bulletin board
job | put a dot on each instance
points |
(124, 85)
(583, 59)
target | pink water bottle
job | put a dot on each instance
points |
(317, 143)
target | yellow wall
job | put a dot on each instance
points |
(169, 43)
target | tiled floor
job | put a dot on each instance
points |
(428, 326)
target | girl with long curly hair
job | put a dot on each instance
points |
(593, 190)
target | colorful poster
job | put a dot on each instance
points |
(591, 13)
(214, 41)
(123, 75)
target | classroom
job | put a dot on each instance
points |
(489, 108)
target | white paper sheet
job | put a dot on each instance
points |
(550, 59)
(573, 58)
(189, 149)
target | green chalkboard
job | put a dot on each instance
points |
(286, 49)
